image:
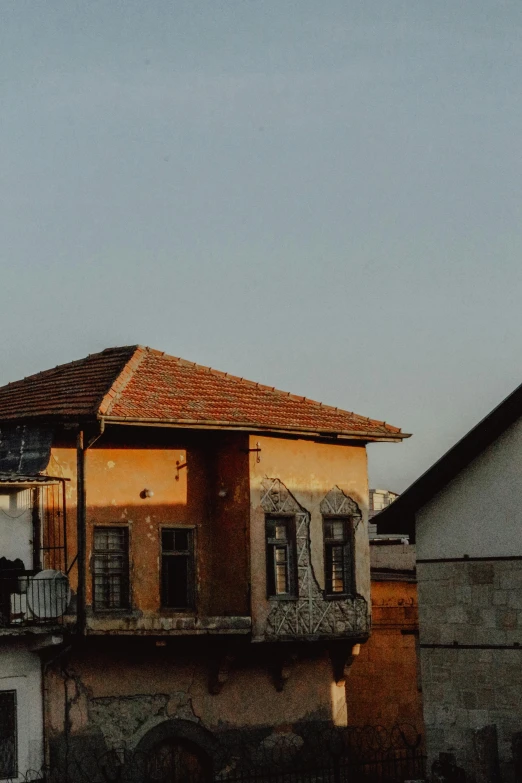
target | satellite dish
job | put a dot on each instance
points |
(48, 594)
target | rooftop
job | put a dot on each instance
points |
(139, 384)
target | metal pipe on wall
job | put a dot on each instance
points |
(81, 521)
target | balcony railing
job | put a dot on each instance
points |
(29, 598)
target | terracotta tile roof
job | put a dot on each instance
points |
(140, 383)
(74, 389)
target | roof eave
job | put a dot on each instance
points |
(251, 427)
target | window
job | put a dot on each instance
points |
(111, 568)
(280, 557)
(177, 568)
(8, 731)
(338, 556)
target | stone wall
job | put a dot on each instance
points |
(471, 654)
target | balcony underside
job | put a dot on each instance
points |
(167, 626)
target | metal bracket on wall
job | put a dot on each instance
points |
(283, 669)
(179, 466)
(257, 451)
(219, 672)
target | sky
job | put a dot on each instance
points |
(321, 195)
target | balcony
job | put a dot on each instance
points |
(33, 599)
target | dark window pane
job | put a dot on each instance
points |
(280, 545)
(182, 540)
(177, 568)
(167, 540)
(8, 750)
(175, 582)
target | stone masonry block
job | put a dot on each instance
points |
(485, 635)
(473, 616)
(511, 580)
(514, 600)
(507, 619)
(481, 573)
(489, 617)
(468, 700)
(481, 595)
(463, 594)
(500, 597)
(485, 698)
(456, 614)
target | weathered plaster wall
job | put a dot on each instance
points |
(20, 670)
(309, 471)
(116, 693)
(118, 473)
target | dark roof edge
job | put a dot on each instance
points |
(340, 435)
(399, 516)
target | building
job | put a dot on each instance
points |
(379, 499)
(218, 557)
(465, 515)
(390, 658)
(33, 591)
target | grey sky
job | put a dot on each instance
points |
(324, 196)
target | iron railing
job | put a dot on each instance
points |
(29, 598)
(369, 754)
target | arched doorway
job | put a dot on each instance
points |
(179, 751)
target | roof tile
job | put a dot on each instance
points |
(134, 382)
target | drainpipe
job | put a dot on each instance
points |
(81, 523)
(81, 520)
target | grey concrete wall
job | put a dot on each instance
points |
(394, 557)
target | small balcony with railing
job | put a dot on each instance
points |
(34, 580)
(28, 598)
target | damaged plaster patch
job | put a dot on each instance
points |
(111, 464)
(180, 706)
(126, 719)
(119, 718)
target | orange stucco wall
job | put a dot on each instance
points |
(116, 474)
(383, 687)
(123, 688)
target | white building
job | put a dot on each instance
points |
(378, 501)
(465, 515)
(34, 594)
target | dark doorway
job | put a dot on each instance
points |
(177, 760)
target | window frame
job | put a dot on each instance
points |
(125, 571)
(348, 547)
(271, 543)
(191, 570)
